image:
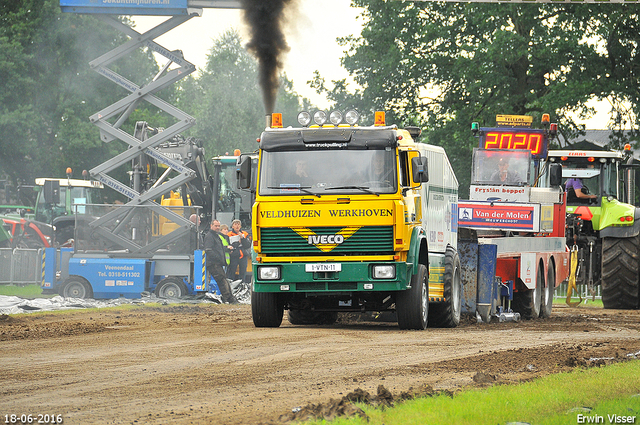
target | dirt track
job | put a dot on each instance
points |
(208, 364)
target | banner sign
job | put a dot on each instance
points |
(499, 216)
(495, 193)
(126, 7)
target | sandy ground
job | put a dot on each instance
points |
(201, 364)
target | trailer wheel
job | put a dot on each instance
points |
(412, 305)
(308, 317)
(620, 270)
(76, 287)
(547, 294)
(171, 287)
(267, 309)
(447, 314)
(527, 302)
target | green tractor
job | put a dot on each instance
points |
(603, 224)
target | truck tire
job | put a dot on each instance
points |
(528, 302)
(308, 317)
(620, 269)
(412, 305)
(76, 287)
(547, 295)
(266, 309)
(171, 287)
(447, 314)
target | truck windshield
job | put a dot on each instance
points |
(328, 172)
(588, 174)
(501, 167)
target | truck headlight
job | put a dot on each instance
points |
(352, 117)
(335, 117)
(384, 271)
(320, 117)
(304, 118)
(269, 272)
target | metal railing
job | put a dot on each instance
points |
(587, 295)
(20, 266)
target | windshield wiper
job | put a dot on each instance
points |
(300, 188)
(362, 188)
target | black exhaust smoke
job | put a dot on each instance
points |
(266, 19)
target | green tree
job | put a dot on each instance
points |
(48, 91)
(444, 65)
(226, 100)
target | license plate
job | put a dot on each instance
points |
(323, 267)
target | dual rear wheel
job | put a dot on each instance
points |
(537, 302)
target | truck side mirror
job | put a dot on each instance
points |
(555, 175)
(419, 170)
(243, 172)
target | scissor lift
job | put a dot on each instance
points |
(110, 119)
(141, 246)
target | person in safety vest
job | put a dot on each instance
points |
(215, 251)
(224, 230)
(241, 241)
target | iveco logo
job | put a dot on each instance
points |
(325, 239)
(325, 243)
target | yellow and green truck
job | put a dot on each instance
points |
(351, 218)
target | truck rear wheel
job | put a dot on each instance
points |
(620, 270)
(447, 313)
(308, 317)
(547, 294)
(171, 287)
(412, 305)
(528, 302)
(76, 287)
(267, 309)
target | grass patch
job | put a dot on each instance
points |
(27, 291)
(586, 302)
(555, 399)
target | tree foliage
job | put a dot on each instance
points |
(444, 65)
(48, 91)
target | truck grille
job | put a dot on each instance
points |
(373, 240)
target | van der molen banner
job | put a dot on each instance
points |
(126, 7)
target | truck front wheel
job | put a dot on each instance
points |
(267, 309)
(447, 313)
(412, 305)
(620, 270)
(528, 301)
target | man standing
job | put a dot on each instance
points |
(216, 260)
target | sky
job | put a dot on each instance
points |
(311, 35)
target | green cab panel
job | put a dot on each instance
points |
(606, 215)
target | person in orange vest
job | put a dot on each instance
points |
(241, 241)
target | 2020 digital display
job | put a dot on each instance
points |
(533, 140)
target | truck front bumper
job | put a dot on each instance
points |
(351, 277)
